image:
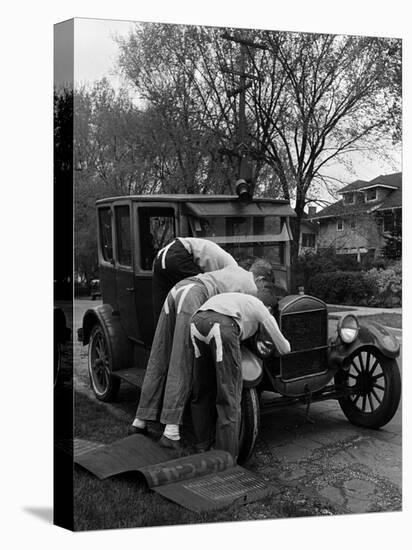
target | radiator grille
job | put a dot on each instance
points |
(305, 331)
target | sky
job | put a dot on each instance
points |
(95, 54)
(95, 50)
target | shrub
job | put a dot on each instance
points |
(310, 264)
(341, 287)
(376, 287)
(386, 283)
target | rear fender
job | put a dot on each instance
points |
(121, 347)
(371, 334)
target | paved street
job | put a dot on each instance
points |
(350, 469)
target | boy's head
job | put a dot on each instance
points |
(262, 269)
(267, 294)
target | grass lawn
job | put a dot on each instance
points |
(393, 320)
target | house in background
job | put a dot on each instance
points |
(359, 222)
(308, 232)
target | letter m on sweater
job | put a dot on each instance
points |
(214, 333)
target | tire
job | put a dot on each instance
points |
(249, 424)
(375, 384)
(100, 366)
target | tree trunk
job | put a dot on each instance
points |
(295, 224)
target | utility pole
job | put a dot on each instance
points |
(245, 171)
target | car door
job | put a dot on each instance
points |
(125, 289)
(156, 226)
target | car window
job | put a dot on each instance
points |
(106, 238)
(123, 241)
(157, 229)
(246, 238)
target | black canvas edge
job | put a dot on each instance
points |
(63, 506)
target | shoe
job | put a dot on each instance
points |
(203, 447)
(170, 443)
(133, 430)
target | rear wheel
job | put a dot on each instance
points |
(249, 424)
(374, 382)
(100, 365)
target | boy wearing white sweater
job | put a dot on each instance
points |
(217, 329)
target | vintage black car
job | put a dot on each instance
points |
(355, 365)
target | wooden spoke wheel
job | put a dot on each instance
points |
(374, 385)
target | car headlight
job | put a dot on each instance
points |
(264, 347)
(348, 329)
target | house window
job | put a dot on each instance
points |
(371, 195)
(352, 224)
(308, 240)
(349, 198)
(339, 224)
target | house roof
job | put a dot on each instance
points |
(354, 186)
(393, 200)
(393, 181)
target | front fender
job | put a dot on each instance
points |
(121, 348)
(370, 334)
(251, 366)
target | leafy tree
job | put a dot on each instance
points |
(63, 192)
(110, 158)
(393, 245)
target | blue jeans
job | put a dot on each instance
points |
(168, 379)
(217, 381)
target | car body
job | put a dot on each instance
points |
(94, 287)
(351, 365)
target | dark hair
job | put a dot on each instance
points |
(267, 293)
(262, 269)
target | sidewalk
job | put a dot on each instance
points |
(362, 310)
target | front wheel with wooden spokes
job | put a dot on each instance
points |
(373, 385)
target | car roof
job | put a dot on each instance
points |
(212, 205)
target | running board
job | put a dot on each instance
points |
(133, 375)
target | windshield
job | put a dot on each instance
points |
(246, 238)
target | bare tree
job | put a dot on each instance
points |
(320, 97)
